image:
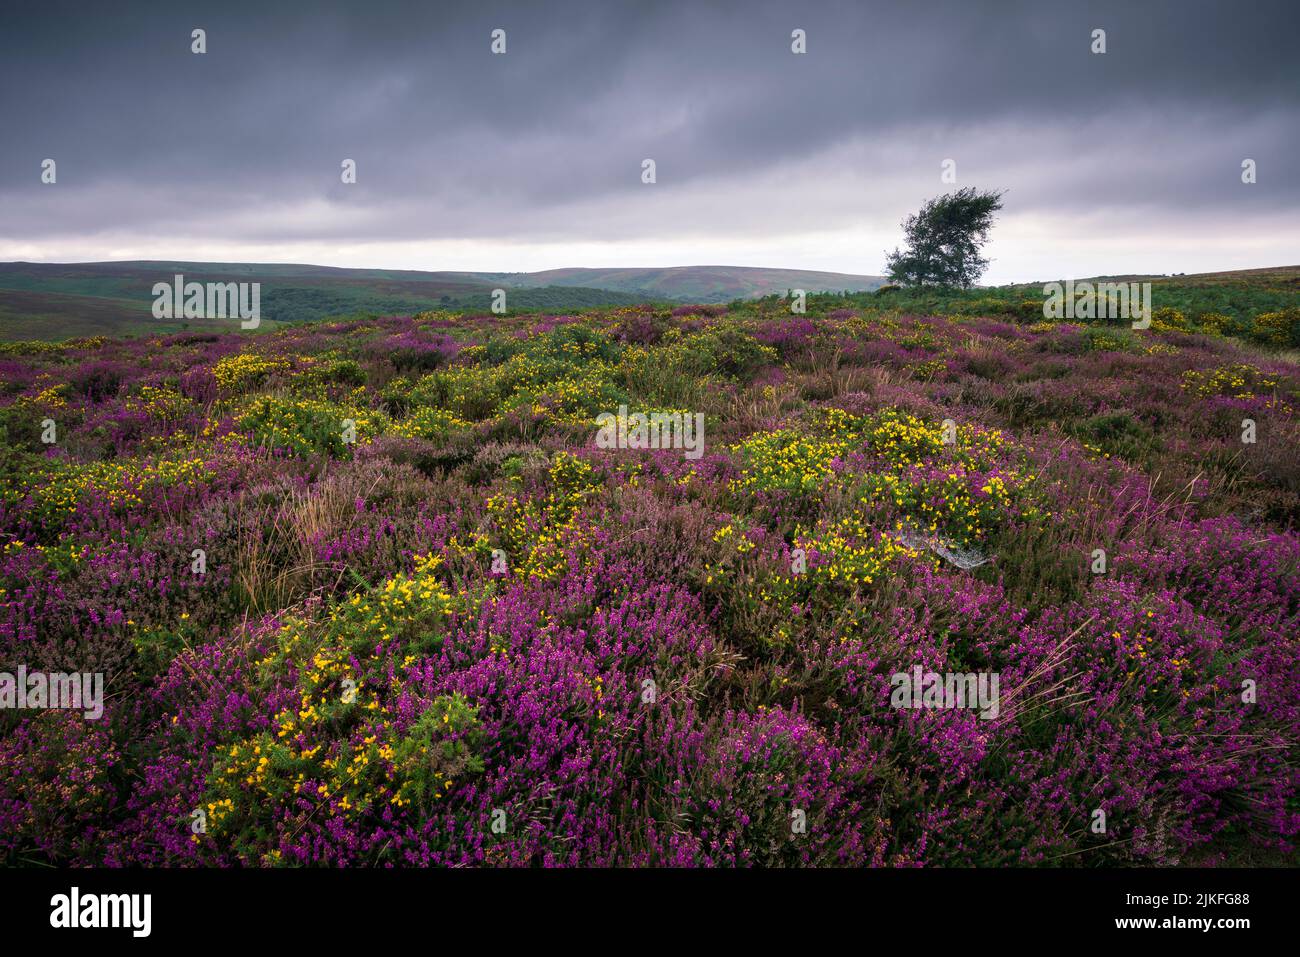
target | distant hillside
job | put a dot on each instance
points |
(1222, 304)
(61, 300)
(696, 283)
(1280, 276)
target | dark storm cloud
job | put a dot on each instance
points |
(547, 141)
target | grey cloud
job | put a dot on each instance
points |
(548, 140)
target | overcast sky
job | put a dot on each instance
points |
(1127, 161)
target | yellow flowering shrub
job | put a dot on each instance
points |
(244, 370)
(338, 744)
(1168, 319)
(121, 483)
(165, 405)
(1239, 381)
(430, 423)
(827, 563)
(1280, 328)
(1215, 323)
(538, 535)
(789, 460)
(409, 608)
(303, 426)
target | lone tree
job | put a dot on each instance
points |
(944, 240)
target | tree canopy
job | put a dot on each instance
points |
(944, 240)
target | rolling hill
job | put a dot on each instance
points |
(61, 300)
(696, 283)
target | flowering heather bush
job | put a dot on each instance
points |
(372, 594)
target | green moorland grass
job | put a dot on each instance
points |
(110, 307)
(1228, 303)
(1223, 304)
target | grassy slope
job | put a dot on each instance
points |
(1241, 295)
(704, 283)
(56, 301)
